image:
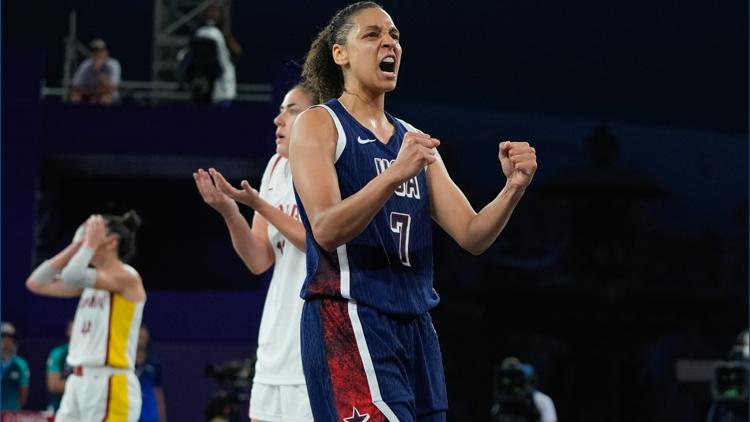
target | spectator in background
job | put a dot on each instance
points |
(97, 78)
(58, 371)
(15, 372)
(148, 370)
(517, 397)
(211, 71)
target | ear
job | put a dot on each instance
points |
(340, 55)
(112, 241)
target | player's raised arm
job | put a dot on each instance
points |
(291, 229)
(251, 244)
(474, 231)
(312, 155)
(46, 280)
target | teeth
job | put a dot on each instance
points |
(389, 60)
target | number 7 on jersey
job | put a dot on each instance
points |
(400, 223)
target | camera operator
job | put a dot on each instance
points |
(516, 396)
(234, 380)
(729, 385)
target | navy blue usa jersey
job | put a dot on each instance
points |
(389, 265)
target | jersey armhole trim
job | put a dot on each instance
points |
(341, 141)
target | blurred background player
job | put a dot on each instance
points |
(276, 238)
(103, 343)
(15, 372)
(148, 371)
(58, 371)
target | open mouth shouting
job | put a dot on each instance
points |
(388, 66)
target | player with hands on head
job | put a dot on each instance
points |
(104, 337)
(368, 185)
(276, 237)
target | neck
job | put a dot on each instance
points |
(367, 108)
(104, 261)
(7, 354)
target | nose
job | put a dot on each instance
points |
(278, 121)
(388, 41)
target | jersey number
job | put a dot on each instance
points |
(400, 224)
(86, 327)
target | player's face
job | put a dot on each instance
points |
(373, 50)
(295, 102)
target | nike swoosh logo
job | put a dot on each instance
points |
(365, 141)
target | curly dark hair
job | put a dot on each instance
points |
(306, 86)
(125, 227)
(323, 75)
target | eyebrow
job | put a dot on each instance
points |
(288, 105)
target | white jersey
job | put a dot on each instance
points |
(105, 330)
(279, 357)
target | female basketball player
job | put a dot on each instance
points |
(368, 184)
(105, 329)
(276, 238)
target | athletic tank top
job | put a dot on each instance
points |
(279, 355)
(105, 329)
(389, 265)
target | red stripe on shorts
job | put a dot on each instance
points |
(348, 377)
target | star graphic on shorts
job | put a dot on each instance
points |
(356, 417)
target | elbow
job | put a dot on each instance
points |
(475, 248)
(476, 251)
(32, 285)
(325, 237)
(256, 271)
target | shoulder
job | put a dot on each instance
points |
(319, 114)
(542, 399)
(316, 123)
(58, 352)
(209, 32)
(21, 363)
(273, 162)
(86, 64)
(126, 277)
(129, 272)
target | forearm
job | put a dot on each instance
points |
(291, 229)
(60, 260)
(484, 228)
(55, 383)
(253, 251)
(24, 396)
(43, 279)
(346, 219)
(161, 403)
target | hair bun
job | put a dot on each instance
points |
(131, 220)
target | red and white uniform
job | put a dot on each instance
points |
(102, 351)
(279, 383)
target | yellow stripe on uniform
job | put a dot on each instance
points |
(121, 322)
(117, 402)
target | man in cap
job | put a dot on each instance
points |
(97, 78)
(15, 372)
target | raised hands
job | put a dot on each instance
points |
(213, 196)
(418, 150)
(95, 232)
(518, 161)
(247, 195)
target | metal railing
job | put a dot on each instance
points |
(155, 91)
